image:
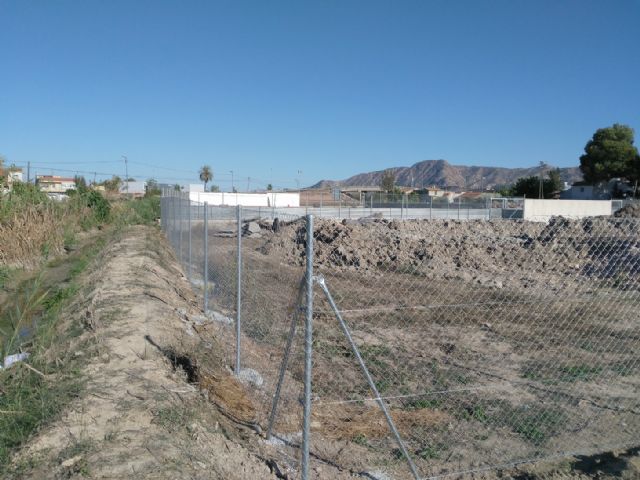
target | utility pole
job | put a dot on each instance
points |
(28, 172)
(248, 183)
(126, 173)
(232, 186)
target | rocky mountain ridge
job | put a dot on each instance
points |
(443, 174)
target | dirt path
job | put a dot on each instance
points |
(138, 416)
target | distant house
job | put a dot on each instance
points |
(471, 195)
(614, 188)
(55, 184)
(14, 174)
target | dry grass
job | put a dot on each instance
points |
(32, 232)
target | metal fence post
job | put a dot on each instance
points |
(181, 216)
(206, 258)
(308, 342)
(239, 288)
(174, 223)
(189, 274)
(458, 208)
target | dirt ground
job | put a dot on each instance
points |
(492, 342)
(160, 400)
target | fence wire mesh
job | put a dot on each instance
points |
(490, 343)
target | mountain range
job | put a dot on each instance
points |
(442, 174)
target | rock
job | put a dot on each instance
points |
(70, 462)
(218, 317)
(251, 377)
(251, 228)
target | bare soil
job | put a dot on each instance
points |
(493, 343)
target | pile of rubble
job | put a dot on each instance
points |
(485, 252)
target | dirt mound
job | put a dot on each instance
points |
(629, 211)
(480, 251)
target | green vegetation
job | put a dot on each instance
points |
(551, 375)
(530, 186)
(206, 175)
(33, 320)
(152, 188)
(611, 154)
(360, 439)
(534, 423)
(429, 452)
(420, 403)
(388, 181)
(144, 211)
(174, 417)
(36, 390)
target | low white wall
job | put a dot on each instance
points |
(269, 199)
(543, 210)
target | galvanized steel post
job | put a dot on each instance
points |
(181, 217)
(239, 288)
(189, 276)
(206, 258)
(308, 342)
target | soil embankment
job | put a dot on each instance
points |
(140, 414)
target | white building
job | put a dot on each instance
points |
(267, 199)
(55, 183)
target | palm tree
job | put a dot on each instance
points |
(206, 175)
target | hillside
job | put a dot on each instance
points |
(442, 173)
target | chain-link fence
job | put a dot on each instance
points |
(440, 348)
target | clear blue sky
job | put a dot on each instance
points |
(331, 88)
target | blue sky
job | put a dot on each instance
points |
(329, 88)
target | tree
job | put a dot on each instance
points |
(269, 187)
(610, 154)
(388, 181)
(530, 186)
(152, 188)
(81, 183)
(177, 187)
(206, 175)
(215, 188)
(556, 181)
(112, 185)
